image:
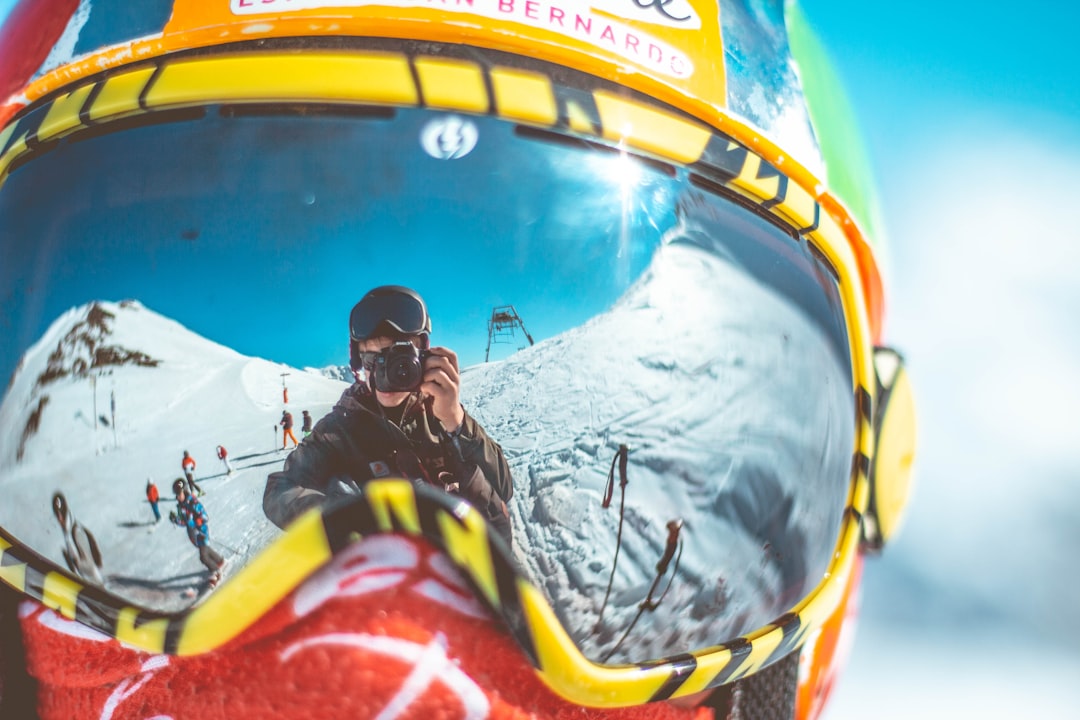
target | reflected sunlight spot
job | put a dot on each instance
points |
(625, 173)
(621, 170)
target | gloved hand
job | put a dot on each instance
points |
(342, 486)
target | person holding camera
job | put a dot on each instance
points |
(401, 418)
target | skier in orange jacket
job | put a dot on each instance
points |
(287, 434)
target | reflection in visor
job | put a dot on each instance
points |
(172, 287)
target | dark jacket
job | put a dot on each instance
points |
(356, 443)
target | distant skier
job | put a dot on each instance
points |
(80, 548)
(287, 423)
(152, 497)
(305, 426)
(223, 455)
(191, 514)
(188, 464)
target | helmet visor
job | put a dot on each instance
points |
(172, 280)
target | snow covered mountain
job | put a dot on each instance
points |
(335, 372)
(113, 394)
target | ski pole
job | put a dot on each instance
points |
(673, 542)
(620, 456)
(223, 546)
(673, 527)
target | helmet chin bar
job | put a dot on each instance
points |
(894, 442)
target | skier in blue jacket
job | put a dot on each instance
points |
(191, 514)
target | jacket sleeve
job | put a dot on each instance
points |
(314, 473)
(479, 450)
(298, 486)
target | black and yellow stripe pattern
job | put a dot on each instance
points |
(531, 98)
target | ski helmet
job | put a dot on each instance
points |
(391, 311)
(179, 486)
(664, 191)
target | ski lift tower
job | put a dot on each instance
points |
(504, 319)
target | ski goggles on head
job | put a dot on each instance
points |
(667, 334)
(390, 311)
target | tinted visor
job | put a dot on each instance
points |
(174, 281)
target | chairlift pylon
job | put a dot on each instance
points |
(501, 327)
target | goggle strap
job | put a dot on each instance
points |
(768, 694)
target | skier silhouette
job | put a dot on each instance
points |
(287, 433)
(81, 552)
(152, 496)
(188, 464)
(223, 455)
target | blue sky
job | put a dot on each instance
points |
(267, 252)
(899, 59)
(914, 69)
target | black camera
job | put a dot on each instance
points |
(400, 368)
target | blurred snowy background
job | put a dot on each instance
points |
(970, 111)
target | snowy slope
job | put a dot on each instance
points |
(186, 393)
(701, 420)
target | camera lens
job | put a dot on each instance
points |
(404, 373)
(399, 369)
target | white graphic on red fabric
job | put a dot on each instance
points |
(430, 665)
(449, 588)
(53, 621)
(384, 562)
(58, 623)
(124, 689)
(129, 686)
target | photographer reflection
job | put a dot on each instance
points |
(402, 417)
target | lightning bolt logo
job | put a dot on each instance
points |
(449, 138)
